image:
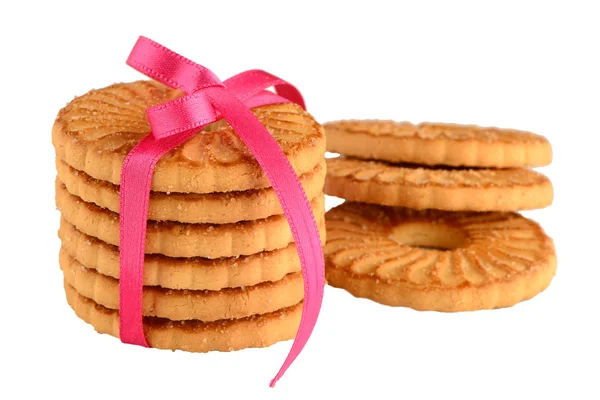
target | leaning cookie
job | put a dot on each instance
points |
(443, 188)
(435, 260)
(438, 144)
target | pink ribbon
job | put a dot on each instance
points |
(208, 99)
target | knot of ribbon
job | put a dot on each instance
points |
(207, 100)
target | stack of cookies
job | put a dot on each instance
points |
(221, 270)
(430, 220)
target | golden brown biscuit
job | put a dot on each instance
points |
(225, 335)
(443, 188)
(212, 208)
(183, 273)
(203, 305)
(438, 144)
(175, 239)
(435, 260)
(95, 132)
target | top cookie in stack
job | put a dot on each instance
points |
(440, 166)
(221, 269)
(451, 241)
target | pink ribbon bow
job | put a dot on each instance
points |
(208, 99)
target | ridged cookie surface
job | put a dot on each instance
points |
(438, 144)
(202, 305)
(195, 336)
(213, 208)
(443, 188)
(175, 239)
(183, 273)
(95, 132)
(435, 260)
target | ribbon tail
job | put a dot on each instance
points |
(136, 181)
(248, 83)
(295, 206)
(133, 212)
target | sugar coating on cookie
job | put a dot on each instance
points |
(443, 188)
(261, 330)
(175, 239)
(95, 132)
(213, 208)
(438, 144)
(194, 273)
(221, 270)
(177, 305)
(436, 260)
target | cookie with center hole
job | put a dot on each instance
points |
(436, 260)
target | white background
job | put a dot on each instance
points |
(531, 66)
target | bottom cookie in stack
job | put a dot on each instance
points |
(224, 319)
(193, 335)
(432, 236)
(192, 303)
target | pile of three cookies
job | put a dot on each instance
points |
(430, 222)
(221, 270)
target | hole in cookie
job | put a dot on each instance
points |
(427, 235)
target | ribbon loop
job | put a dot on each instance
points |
(181, 114)
(248, 83)
(175, 122)
(170, 68)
